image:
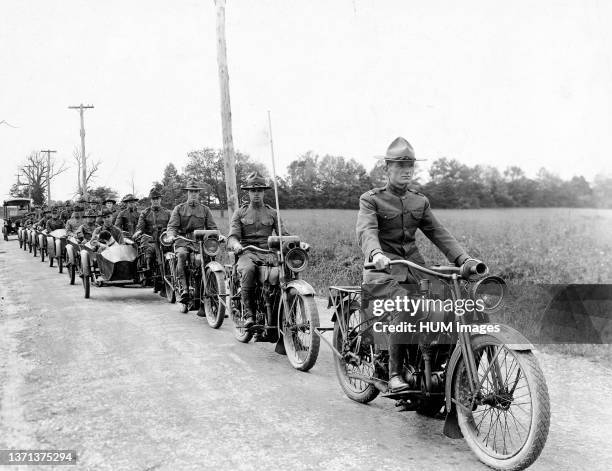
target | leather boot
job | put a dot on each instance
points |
(247, 307)
(396, 363)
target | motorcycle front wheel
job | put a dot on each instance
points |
(349, 373)
(506, 423)
(298, 328)
(214, 298)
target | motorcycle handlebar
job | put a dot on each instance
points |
(479, 268)
(252, 247)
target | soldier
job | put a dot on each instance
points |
(111, 204)
(128, 218)
(75, 221)
(386, 225)
(54, 222)
(186, 218)
(252, 224)
(42, 222)
(85, 230)
(66, 211)
(107, 217)
(153, 221)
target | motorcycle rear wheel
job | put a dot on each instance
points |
(298, 327)
(355, 389)
(215, 298)
(510, 431)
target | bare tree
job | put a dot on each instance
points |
(39, 174)
(92, 167)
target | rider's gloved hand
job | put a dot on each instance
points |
(381, 261)
(238, 247)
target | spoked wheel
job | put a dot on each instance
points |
(86, 275)
(34, 250)
(71, 272)
(359, 364)
(170, 288)
(50, 261)
(238, 319)
(20, 242)
(60, 264)
(298, 327)
(214, 298)
(506, 422)
(5, 233)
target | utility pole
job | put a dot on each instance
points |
(82, 107)
(29, 167)
(48, 152)
(229, 158)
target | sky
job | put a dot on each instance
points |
(486, 82)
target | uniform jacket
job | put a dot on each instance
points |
(186, 218)
(388, 220)
(73, 224)
(153, 220)
(127, 220)
(253, 225)
(53, 224)
(84, 232)
(114, 231)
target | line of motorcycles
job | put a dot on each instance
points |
(485, 383)
(285, 306)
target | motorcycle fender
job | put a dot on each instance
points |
(70, 254)
(85, 262)
(302, 287)
(215, 266)
(510, 337)
(50, 247)
(58, 248)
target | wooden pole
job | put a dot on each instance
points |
(229, 158)
(81, 107)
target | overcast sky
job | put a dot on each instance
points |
(525, 83)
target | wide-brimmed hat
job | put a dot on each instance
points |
(90, 213)
(129, 197)
(154, 194)
(192, 184)
(110, 200)
(256, 181)
(399, 150)
(106, 212)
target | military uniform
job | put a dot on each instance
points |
(74, 222)
(186, 218)
(53, 224)
(85, 231)
(386, 224)
(153, 221)
(252, 225)
(114, 231)
(127, 220)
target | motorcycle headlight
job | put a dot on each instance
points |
(489, 293)
(296, 259)
(211, 246)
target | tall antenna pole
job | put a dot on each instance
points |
(278, 219)
(82, 107)
(48, 152)
(229, 159)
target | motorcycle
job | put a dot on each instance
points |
(487, 380)
(205, 276)
(285, 308)
(55, 248)
(155, 274)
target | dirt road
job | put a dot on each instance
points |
(130, 383)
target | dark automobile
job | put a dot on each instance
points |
(14, 211)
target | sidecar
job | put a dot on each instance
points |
(115, 265)
(56, 247)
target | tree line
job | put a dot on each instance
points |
(314, 181)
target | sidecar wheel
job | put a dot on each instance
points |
(519, 406)
(215, 298)
(355, 389)
(298, 328)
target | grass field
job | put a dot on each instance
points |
(524, 246)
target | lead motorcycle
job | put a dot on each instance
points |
(285, 308)
(487, 380)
